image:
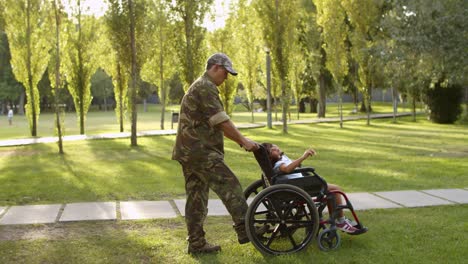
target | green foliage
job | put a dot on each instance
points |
(176, 89)
(279, 34)
(220, 41)
(189, 36)
(445, 103)
(101, 86)
(249, 58)
(464, 116)
(81, 60)
(27, 30)
(161, 62)
(10, 89)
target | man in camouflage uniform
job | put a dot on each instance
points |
(199, 148)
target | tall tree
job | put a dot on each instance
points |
(159, 67)
(220, 41)
(126, 21)
(331, 17)
(311, 42)
(10, 88)
(56, 82)
(26, 28)
(277, 28)
(81, 62)
(134, 73)
(364, 17)
(189, 44)
(249, 58)
(101, 87)
(114, 51)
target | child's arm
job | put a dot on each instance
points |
(296, 163)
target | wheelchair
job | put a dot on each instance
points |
(289, 210)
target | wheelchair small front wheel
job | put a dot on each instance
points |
(328, 239)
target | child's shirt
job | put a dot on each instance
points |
(286, 161)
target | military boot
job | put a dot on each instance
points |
(242, 233)
(206, 248)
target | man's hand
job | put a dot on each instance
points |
(249, 145)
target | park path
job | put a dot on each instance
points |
(139, 210)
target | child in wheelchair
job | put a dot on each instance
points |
(284, 165)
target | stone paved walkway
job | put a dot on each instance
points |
(135, 210)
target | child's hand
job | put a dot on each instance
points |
(309, 152)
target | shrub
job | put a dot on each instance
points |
(444, 103)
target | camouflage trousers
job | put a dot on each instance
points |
(217, 176)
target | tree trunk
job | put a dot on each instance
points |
(134, 75)
(57, 79)
(395, 103)
(252, 112)
(302, 106)
(82, 131)
(285, 103)
(31, 97)
(105, 103)
(161, 76)
(21, 103)
(322, 96)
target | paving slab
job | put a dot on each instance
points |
(215, 207)
(365, 201)
(412, 198)
(454, 195)
(89, 211)
(146, 210)
(31, 214)
(2, 209)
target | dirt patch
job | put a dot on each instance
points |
(451, 153)
(64, 231)
(18, 152)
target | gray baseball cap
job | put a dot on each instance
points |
(223, 60)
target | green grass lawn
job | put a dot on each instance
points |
(414, 235)
(98, 122)
(381, 157)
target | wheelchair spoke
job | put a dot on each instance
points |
(291, 239)
(273, 236)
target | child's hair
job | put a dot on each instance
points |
(268, 147)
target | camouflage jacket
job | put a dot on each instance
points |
(198, 139)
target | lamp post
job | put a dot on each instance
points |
(268, 71)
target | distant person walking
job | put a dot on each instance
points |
(10, 116)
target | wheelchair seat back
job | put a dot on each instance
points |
(264, 162)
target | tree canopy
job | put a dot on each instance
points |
(318, 48)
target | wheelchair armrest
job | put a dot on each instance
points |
(298, 170)
(305, 169)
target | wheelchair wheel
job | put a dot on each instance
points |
(253, 189)
(290, 216)
(328, 239)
